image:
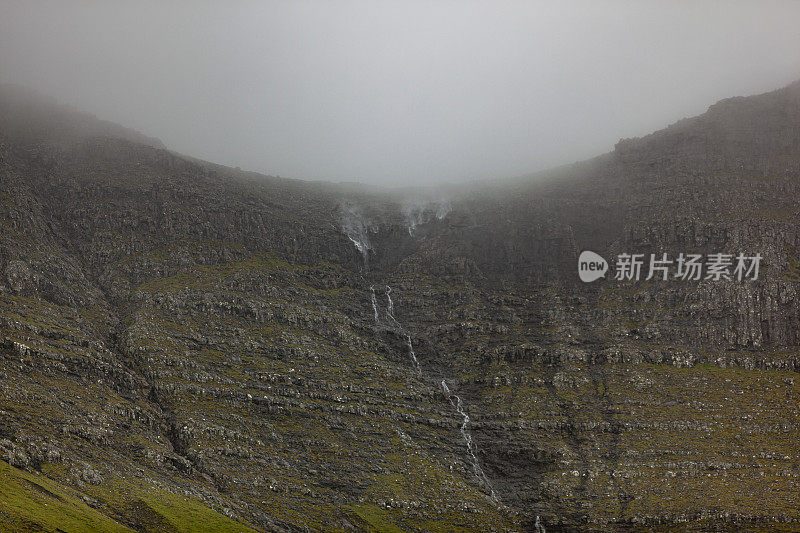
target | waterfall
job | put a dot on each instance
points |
(374, 302)
(443, 208)
(390, 308)
(390, 314)
(413, 355)
(454, 399)
(361, 247)
(538, 527)
(467, 435)
(357, 228)
(422, 211)
(446, 389)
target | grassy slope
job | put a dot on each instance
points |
(33, 502)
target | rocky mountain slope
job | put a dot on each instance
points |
(187, 346)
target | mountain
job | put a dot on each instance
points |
(190, 347)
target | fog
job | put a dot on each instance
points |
(397, 93)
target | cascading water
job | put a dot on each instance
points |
(357, 228)
(390, 314)
(454, 399)
(413, 355)
(465, 432)
(390, 304)
(374, 302)
(420, 211)
(360, 246)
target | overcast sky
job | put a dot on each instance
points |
(397, 93)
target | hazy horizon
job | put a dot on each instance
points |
(397, 93)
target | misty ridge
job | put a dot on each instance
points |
(396, 94)
(388, 267)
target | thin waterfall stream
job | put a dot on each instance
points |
(374, 303)
(454, 399)
(465, 432)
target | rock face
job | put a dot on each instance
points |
(176, 331)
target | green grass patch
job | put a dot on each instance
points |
(30, 502)
(376, 520)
